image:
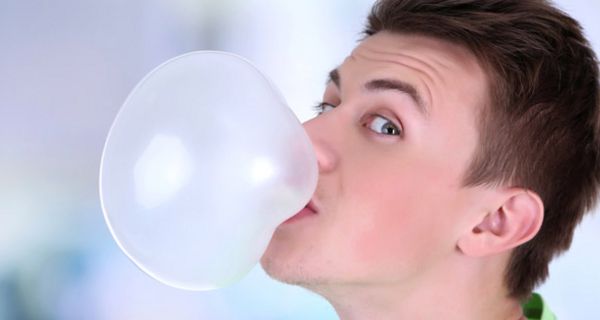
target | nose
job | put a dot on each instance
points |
(323, 137)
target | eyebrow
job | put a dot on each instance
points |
(387, 84)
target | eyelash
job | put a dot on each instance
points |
(320, 106)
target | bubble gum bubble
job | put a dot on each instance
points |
(203, 161)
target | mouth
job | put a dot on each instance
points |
(309, 210)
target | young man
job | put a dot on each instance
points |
(458, 147)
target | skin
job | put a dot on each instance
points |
(397, 236)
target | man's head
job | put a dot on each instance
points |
(455, 130)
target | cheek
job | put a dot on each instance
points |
(399, 222)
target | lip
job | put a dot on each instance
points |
(310, 209)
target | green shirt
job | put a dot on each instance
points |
(536, 309)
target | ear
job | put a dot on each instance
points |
(516, 219)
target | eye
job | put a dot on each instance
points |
(323, 107)
(384, 126)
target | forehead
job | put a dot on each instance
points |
(443, 50)
(441, 71)
(432, 54)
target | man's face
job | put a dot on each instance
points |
(392, 152)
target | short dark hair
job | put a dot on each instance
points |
(541, 128)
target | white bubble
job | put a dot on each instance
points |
(202, 163)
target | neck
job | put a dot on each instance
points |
(471, 289)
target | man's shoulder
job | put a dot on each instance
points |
(536, 309)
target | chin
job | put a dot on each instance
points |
(289, 273)
(276, 269)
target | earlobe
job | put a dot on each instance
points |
(516, 220)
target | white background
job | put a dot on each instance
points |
(65, 68)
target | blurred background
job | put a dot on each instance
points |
(66, 66)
